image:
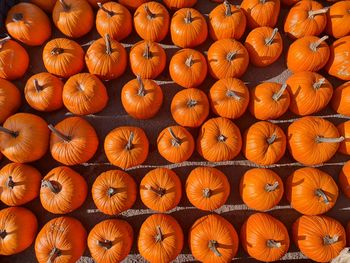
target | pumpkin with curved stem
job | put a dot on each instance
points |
(219, 139)
(269, 100)
(160, 190)
(62, 190)
(227, 58)
(62, 239)
(10, 99)
(46, 5)
(132, 4)
(18, 227)
(338, 64)
(344, 179)
(207, 188)
(190, 107)
(344, 131)
(261, 189)
(312, 140)
(63, 57)
(110, 241)
(95, 3)
(213, 239)
(177, 4)
(19, 184)
(264, 143)
(160, 238)
(341, 99)
(24, 138)
(338, 19)
(229, 98)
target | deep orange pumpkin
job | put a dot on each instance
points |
(344, 131)
(338, 64)
(10, 99)
(344, 179)
(341, 99)
(338, 19)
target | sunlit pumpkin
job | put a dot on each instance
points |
(341, 99)
(344, 131)
(338, 19)
(10, 99)
(344, 179)
(338, 64)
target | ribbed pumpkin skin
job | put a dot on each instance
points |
(46, 5)
(344, 179)
(338, 19)
(338, 65)
(344, 130)
(341, 99)
(177, 4)
(10, 99)
(132, 4)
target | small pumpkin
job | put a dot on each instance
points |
(43, 92)
(10, 99)
(229, 98)
(84, 94)
(113, 192)
(344, 131)
(188, 28)
(312, 140)
(63, 57)
(24, 138)
(213, 239)
(160, 238)
(95, 3)
(177, 4)
(269, 100)
(132, 4)
(341, 99)
(190, 107)
(338, 19)
(110, 241)
(62, 190)
(126, 146)
(28, 24)
(344, 179)
(261, 189)
(18, 227)
(46, 5)
(219, 139)
(160, 190)
(227, 58)
(147, 59)
(207, 188)
(338, 63)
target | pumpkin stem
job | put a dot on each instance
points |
(55, 253)
(315, 45)
(320, 193)
(37, 86)
(141, 92)
(189, 61)
(231, 55)
(278, 95)
(222, 138)
(160, 191)
(188, 18)
(109, 13)
(268, 41)
(147, 53)
(10, 183)
(12, 133)
(129, 144)
(106, 244)
(112, 191)
(56, 51)
(206, 193)
(4, 40)
(150, 15)
(320, 139)
(191, 103)
(228, 11)
(59, 134)
(17, 17)
(176, 141)
(108, 44)
(313, 13)
(319, 83)
(159, 236)
(213, 246)
(327, 240)
(52, 185)
(273, 243)
(271, 187)
(271, 139)
(3, 234)
(262, 1)
(65, 6)
(231, 94)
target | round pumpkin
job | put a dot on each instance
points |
(338, 63)
(344, 179)
(341, 99)
(10, 99)
(177, 4)
(344, 131)
(46, 5)
(132, 4)
(338, 19)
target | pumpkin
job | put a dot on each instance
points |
(110, 241)
(73, 141)
(338, 19)
(126, 146)
(309, 92)
(43, 92)
(261, 189)
(177, 4)
(227, 58)
(74, 18)
(63, 57)
(147, 59)
(344, 179)
(190, 107)
(46, 5)
(18, 227)
(264, 237)
(341, 99)
(261, 12)
(264, 46)
(338, 64)
(95, 3)
(62, 239)
(113, 192)
(207, 188)
(320, 238)
(84, 94)
(106, 58)
(113, 19)
(188, 68)
(312, 140)
(28, 24)
(264, 143)
(219, 139)
(188, 28)
(305, 18)
(160, 189)
(344, 131)
(10, 99)
(24, 138)
(212, 239)
(132, 4)
(269, 100)
(160, 238)
(229, 98)
(62, 190)
(19, 184)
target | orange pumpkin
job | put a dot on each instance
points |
(62, 190)
(10, 99)
(95, 3)
(229, 98)
(177, 4)
(113, 192)
(24, 138)
(84, 94)
(338, 64)
(43, 92)
(341, 99)
(338, 19)
(63, 57)
(147, 59)
(261, 189)
(313, 140)
(227, 58)
(213, 239)
(188, 28)
(132, 4)
(18, 227)
(190, 107)
(344, 131)
(46, 5)
(160, 238)
(219, 139)
(160, 189)
(28, 24)
(344, 179)
(309, 92)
